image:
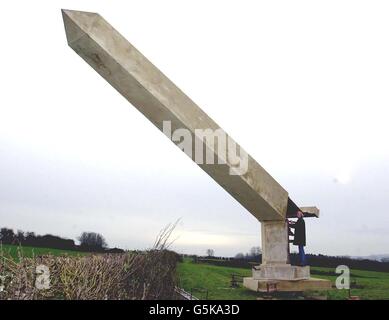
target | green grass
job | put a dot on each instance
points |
(217, 280)
(214, 278)
(15, 251)
(375, 284)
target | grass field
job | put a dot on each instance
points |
(217, 280)
(15, 251)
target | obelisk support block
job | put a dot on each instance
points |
(274, 242)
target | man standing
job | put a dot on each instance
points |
(299, 235)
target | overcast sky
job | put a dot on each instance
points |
(302, 86)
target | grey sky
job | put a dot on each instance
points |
(303, 91)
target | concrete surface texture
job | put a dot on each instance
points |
(287, 286)
(274, 242)
(157, 98)
(281, 272)
(311, 211)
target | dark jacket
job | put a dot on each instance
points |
(299, 233)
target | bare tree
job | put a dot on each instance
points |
(239, 255)
(20, 236)
(210, 252)
(163, 240)
(92, 241)
(7, 236)
(255, 251)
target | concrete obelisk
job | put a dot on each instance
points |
(159, 100)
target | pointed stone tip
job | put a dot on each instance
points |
(67, 11)
(76, 13)
(63, 11)
(77, 23)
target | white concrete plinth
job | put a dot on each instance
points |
(275, 257)
(281, 272)
(286, 286)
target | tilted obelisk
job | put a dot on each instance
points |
(159, 100)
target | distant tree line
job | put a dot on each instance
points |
(253, 254)
(89, 241)
(332, 262)
(249, 260)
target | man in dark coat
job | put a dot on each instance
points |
(299, 235)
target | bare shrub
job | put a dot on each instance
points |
(138, 275)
